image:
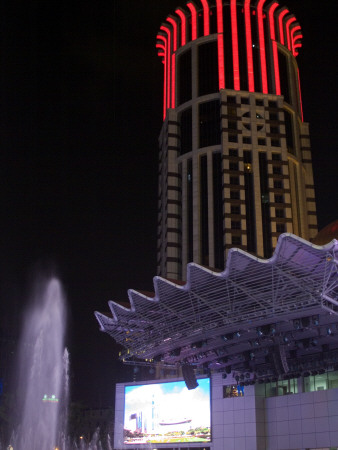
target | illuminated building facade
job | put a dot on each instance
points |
(235, 162)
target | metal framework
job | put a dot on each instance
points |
(275, 316)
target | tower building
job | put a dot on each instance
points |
(235, 163)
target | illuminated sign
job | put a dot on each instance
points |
(167, 412)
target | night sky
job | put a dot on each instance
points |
(80, 114)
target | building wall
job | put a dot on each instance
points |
(307, 420)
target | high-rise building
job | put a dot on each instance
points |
(235, 163)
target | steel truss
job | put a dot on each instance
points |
(239, 317)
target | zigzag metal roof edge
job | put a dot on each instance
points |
(135, 296)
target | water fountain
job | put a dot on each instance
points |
(43, 391)
(43, 372)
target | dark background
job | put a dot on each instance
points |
(80, 114)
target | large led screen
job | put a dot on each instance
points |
(168, 412)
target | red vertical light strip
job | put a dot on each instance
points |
(174, 25)
(159, 36)
(173, 60)
(234, 35)
(274, 47)
(262, 46)
(166, 30)
(300, 96)
(173, 56)
(220, 44)
(206, 16)
(192, 8)
(183, 18)
(247, 17)
(288, 23)
(281, 29)
(293, 31)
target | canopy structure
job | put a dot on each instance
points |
(267, 317)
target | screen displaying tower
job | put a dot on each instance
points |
(167, 413)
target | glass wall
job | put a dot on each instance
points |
(184, 77)
(313, 381)
(186, 131)
(209, 124)
(281, 387)
(207, 68)
(320, 382)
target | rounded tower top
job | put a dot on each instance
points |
(252, 38)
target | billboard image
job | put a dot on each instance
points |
(167, 413)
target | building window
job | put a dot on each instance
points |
(204, 210)
(246, 140)
(235, 209)
(184, 77)
(280, 213)
(217, 180)
(261, 141)
(233, 138)
(281, 387)
(289, 132)
(279, 198)
(190, 219)
(235, 225)
(234, 180)
(283, 63)
(232, 125)
(321, 381)
(249, 202)
(266, 222)
(234, 195)
(275, 143)
(236, 240)
(276, 157)
(231, 99)
(207, 68)
(247, 126)
(233, 152)
(280, 227)
(209, 123)
(278, 184)
(277, 170)
(244, 100)
(233, 165)
(259, 102)
(273, 116)
(274, 129)
(186, 131)
(272, 104)
(232, 111)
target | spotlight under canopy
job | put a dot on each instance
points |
(286, 305)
